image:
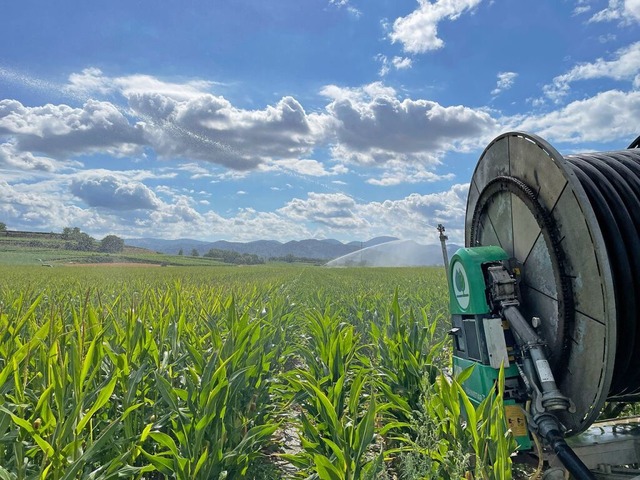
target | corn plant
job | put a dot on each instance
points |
(464, 440)
(337, 418)
(408, 356)
(195, 372)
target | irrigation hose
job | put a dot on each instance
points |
(611, 181)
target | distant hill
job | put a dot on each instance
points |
(311, 248)
(397, 253)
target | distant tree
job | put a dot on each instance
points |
(229, 256)
(3, 226)
(195, 253)
(69, 233)
(77, 240)
(111, 244)
(85, 242)
(180, 252)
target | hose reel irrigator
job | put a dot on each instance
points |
(547, 284)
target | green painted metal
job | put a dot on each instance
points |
(467, 286)
(480, 385)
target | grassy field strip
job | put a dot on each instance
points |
(196, 373)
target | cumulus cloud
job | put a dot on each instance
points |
(92, 80)
(113, 192)
(312, 168)
(210, 128)
(373, 126)
(318, 215)
(625, 65)
(415, 215)
(60, 130)
(335, 210)
(48, 208)
(12, 158)
(411, 217)
(607, 116)
(625, 11)
(397, 173)
(399, 63)
(346, 4)
(368, 125)
(418, 31)
(505, 82)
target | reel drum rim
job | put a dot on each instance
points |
(588, 357)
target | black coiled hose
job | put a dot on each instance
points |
(612, 183)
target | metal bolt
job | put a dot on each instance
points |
(536, 322)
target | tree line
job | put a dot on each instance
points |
(75, 239)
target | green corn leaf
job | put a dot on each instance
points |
(256, 435)
(88, 360)
(102, 399)
(145, 433)
(166, 441)
(201, 461)
(327, 409)
(163, 464)
(337, 451)
(92, 450)
(6, 475)
(325, 469)
(365, 430)
(465, 374)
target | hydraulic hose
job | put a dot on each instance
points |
(568, 457)
(549, 428)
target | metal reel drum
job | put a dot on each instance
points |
(525, 198)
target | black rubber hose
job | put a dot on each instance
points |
(567, 456)
(627, 185)
(618, 195)
(621, 273)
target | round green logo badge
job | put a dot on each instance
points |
(460, 285)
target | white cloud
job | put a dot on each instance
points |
(397, 172)
(113, 192)
(609, 37)
(505, 82)
(48, 208)
(607, 116)
(60, 130)
(92, 80)
(411, 217)
(14, 159)
(345, 3)
(370, 125)
(625, 65)
(335, 210)
(580, 9)
(210, 128)
(318, 215)
(418, 31)
(308, 167)
(373, 126)
(415, 216)
(626, 11)
(399, 63)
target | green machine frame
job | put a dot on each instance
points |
(481, 337)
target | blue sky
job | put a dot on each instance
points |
(246, 119)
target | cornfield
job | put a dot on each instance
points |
(226, 373)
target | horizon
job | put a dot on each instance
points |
(334, 119)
